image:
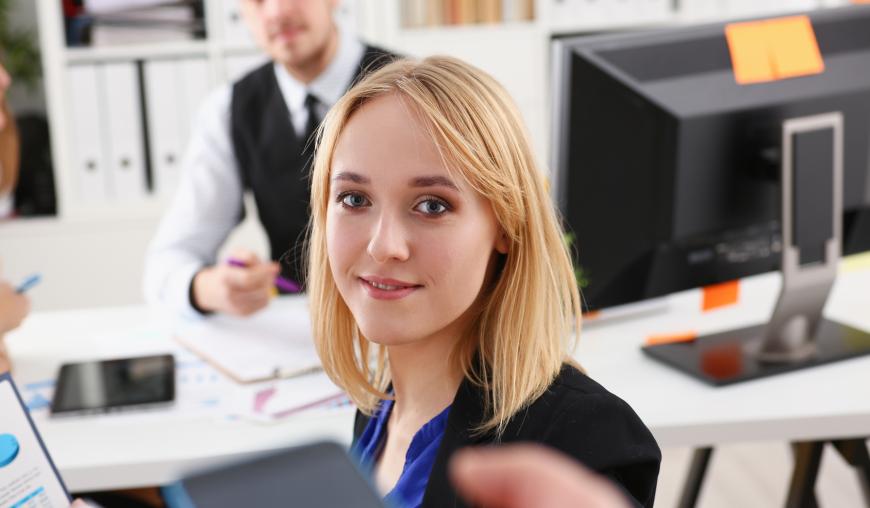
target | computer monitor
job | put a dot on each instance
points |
(668, 172)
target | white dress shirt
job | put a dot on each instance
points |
(208, 203)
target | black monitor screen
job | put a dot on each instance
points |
(667, 170)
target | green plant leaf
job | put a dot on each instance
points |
(18, 51)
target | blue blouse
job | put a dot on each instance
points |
(409, 489)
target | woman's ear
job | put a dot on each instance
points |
(501, 243)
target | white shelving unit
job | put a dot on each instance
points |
(59, 60)
(84, 234)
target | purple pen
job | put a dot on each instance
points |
(282, 283)
(285, 284)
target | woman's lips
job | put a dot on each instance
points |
(381, 288)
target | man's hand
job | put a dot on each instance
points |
(235, 290)
(529, 476)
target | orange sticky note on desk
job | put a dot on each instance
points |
(720, 295)
(671, 338)
(592, 314)
(773, 49)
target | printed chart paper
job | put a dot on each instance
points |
(28, 479)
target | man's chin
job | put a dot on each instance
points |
(289, 55)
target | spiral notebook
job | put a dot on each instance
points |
(273, 343)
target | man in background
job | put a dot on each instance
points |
(256, 135)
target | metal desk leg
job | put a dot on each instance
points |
(855, 453)
(695, 478)
(807, 460)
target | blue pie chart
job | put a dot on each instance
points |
(8, 449)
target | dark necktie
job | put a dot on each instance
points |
(311, 103)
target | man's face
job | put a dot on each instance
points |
(292, 32)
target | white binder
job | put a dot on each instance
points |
(86, 126)
(196, 83)
(124, 136)
(173, 90)
(165, 130)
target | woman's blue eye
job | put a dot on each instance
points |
(353, 200)
(432, 207)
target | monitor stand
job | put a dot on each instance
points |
(797, 336)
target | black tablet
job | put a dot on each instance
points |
(311, 476)
(122, 383)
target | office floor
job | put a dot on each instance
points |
(755, 475)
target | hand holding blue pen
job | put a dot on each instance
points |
(14, 306)
(28, 282)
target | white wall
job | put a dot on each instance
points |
(89, 265)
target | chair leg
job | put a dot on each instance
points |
(808, 460)
(855, 453)
(695, 478)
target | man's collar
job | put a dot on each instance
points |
(331, 84)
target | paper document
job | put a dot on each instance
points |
(27, 475)
(276, 342)
(291, 396)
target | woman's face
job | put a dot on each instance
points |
(408, 244)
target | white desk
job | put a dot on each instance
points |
(822, 402)
(142, 448)
(127, 451)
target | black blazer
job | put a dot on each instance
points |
(576, 416)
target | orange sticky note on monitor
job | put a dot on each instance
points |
(750, 54)
(794, 47)
(773, 49)
(720, 295)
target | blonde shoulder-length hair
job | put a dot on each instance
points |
(526, 315)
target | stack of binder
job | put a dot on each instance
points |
(117, 22)
(131, 122)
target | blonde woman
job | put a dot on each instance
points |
(443, 299)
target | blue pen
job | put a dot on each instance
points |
(28, 283)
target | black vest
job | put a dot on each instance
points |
(273, 161)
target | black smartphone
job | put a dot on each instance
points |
(314, 476)
(109, 385)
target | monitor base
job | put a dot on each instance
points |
(733, 356)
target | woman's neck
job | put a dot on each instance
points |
(424, 382)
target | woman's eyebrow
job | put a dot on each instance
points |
(349, 176)
(432, 181)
